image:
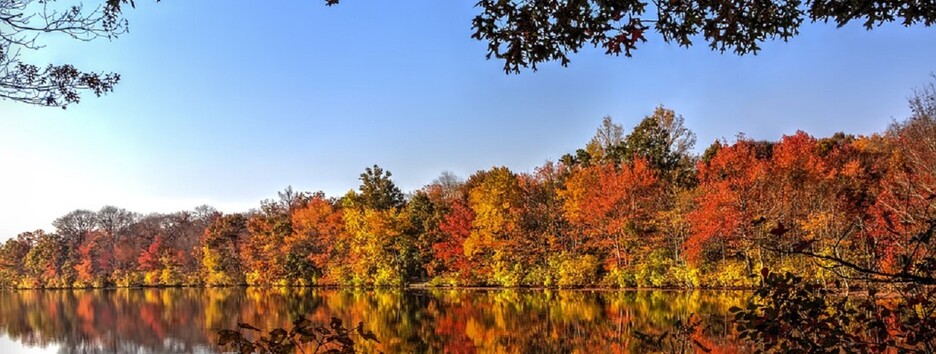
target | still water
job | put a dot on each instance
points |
(405, 321)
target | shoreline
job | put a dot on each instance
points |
(403, 288)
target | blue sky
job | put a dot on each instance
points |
(225, 103)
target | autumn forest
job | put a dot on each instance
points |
(632, 208)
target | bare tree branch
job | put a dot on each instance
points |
(24, 22)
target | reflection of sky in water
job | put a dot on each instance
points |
(148, 321)
(170, 345)
(9, 346)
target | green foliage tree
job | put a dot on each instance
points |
(665, 142)
(377, 190)
(221, 262)
(608, 137)
(382, 244)
(424, 217)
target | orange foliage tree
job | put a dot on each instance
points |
(613, 207)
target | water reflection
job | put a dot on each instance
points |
(411, 321)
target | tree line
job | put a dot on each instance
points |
(635, 208)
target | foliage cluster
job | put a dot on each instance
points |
(896, 308)
(790, 314)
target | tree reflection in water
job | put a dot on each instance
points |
(411, 321)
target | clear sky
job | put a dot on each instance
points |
(227, 102)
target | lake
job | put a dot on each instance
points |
(184, 320)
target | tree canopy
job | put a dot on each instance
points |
(525, 33)
(23, 22)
